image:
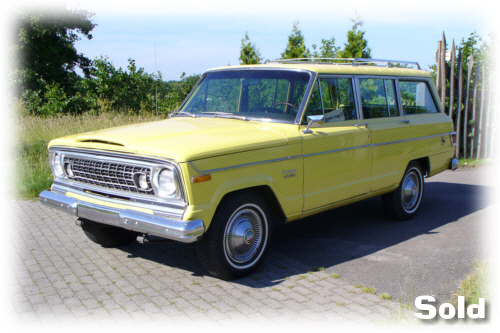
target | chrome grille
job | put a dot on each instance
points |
(112, 175)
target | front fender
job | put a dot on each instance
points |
(279, 168)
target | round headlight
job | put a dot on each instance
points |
(166, 183)
(58, 168)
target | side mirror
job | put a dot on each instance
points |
(320, 120)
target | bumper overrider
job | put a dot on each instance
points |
(178, 230)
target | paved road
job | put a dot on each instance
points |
(427, 255)
(61, 276)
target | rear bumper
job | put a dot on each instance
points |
(178, 230)
(454, 164)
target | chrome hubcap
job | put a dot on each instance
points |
(411, 191)
(243, 236)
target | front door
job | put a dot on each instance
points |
(337, 154)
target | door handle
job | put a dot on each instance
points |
(361, 125)
(403, 122)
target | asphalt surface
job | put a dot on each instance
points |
(428, 255)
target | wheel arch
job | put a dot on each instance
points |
(277, 214)
(425, 164)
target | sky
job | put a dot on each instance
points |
(197, 35)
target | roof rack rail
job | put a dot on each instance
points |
(346, 61)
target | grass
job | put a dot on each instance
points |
(474, 286)
(472, 162)
(34, 133)
(368, 290)
(385, 296)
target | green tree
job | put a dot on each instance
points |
(296, 47)
(45, 49)
(326, 50)
(249, 54)
(357, 45)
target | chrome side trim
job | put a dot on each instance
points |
(409, 140)
(313, 154)
(337, 150)
(243, 165)
(178, 230)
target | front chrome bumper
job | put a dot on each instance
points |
(182, 231)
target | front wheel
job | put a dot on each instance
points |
(403, 203)
(237, 238)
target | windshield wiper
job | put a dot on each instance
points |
(180, 113)
(225, 115)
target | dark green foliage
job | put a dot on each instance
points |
(45, 52)
(357, 45)
(296, 47)
(326, 50)
(249, 54)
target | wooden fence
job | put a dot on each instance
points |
(469, 103)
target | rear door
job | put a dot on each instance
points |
(390, 130)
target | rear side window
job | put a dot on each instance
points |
(378, 98)
(416, 97)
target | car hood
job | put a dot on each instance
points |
(185, 139)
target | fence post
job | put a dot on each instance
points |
(475, 119)
(482, 115)
(467, 97)
(443, 73)
(438, 69)
(459, 101)
(452, 79)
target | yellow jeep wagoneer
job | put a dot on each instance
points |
(254, 146)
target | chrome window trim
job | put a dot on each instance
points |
(142, 161)
(302, 104)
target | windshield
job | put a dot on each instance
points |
(267, 94)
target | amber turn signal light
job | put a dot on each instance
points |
(199, 179)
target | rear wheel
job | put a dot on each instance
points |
(107, 236)
(237, 238)
(403, 203)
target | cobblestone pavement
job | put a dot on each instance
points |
(61, 276)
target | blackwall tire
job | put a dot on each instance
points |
(403, 203)
(236, 240)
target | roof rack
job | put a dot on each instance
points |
(346, 61)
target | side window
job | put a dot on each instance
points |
(378, 98)
(338, 100)
(416, 97)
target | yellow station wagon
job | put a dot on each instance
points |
(253, 146)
